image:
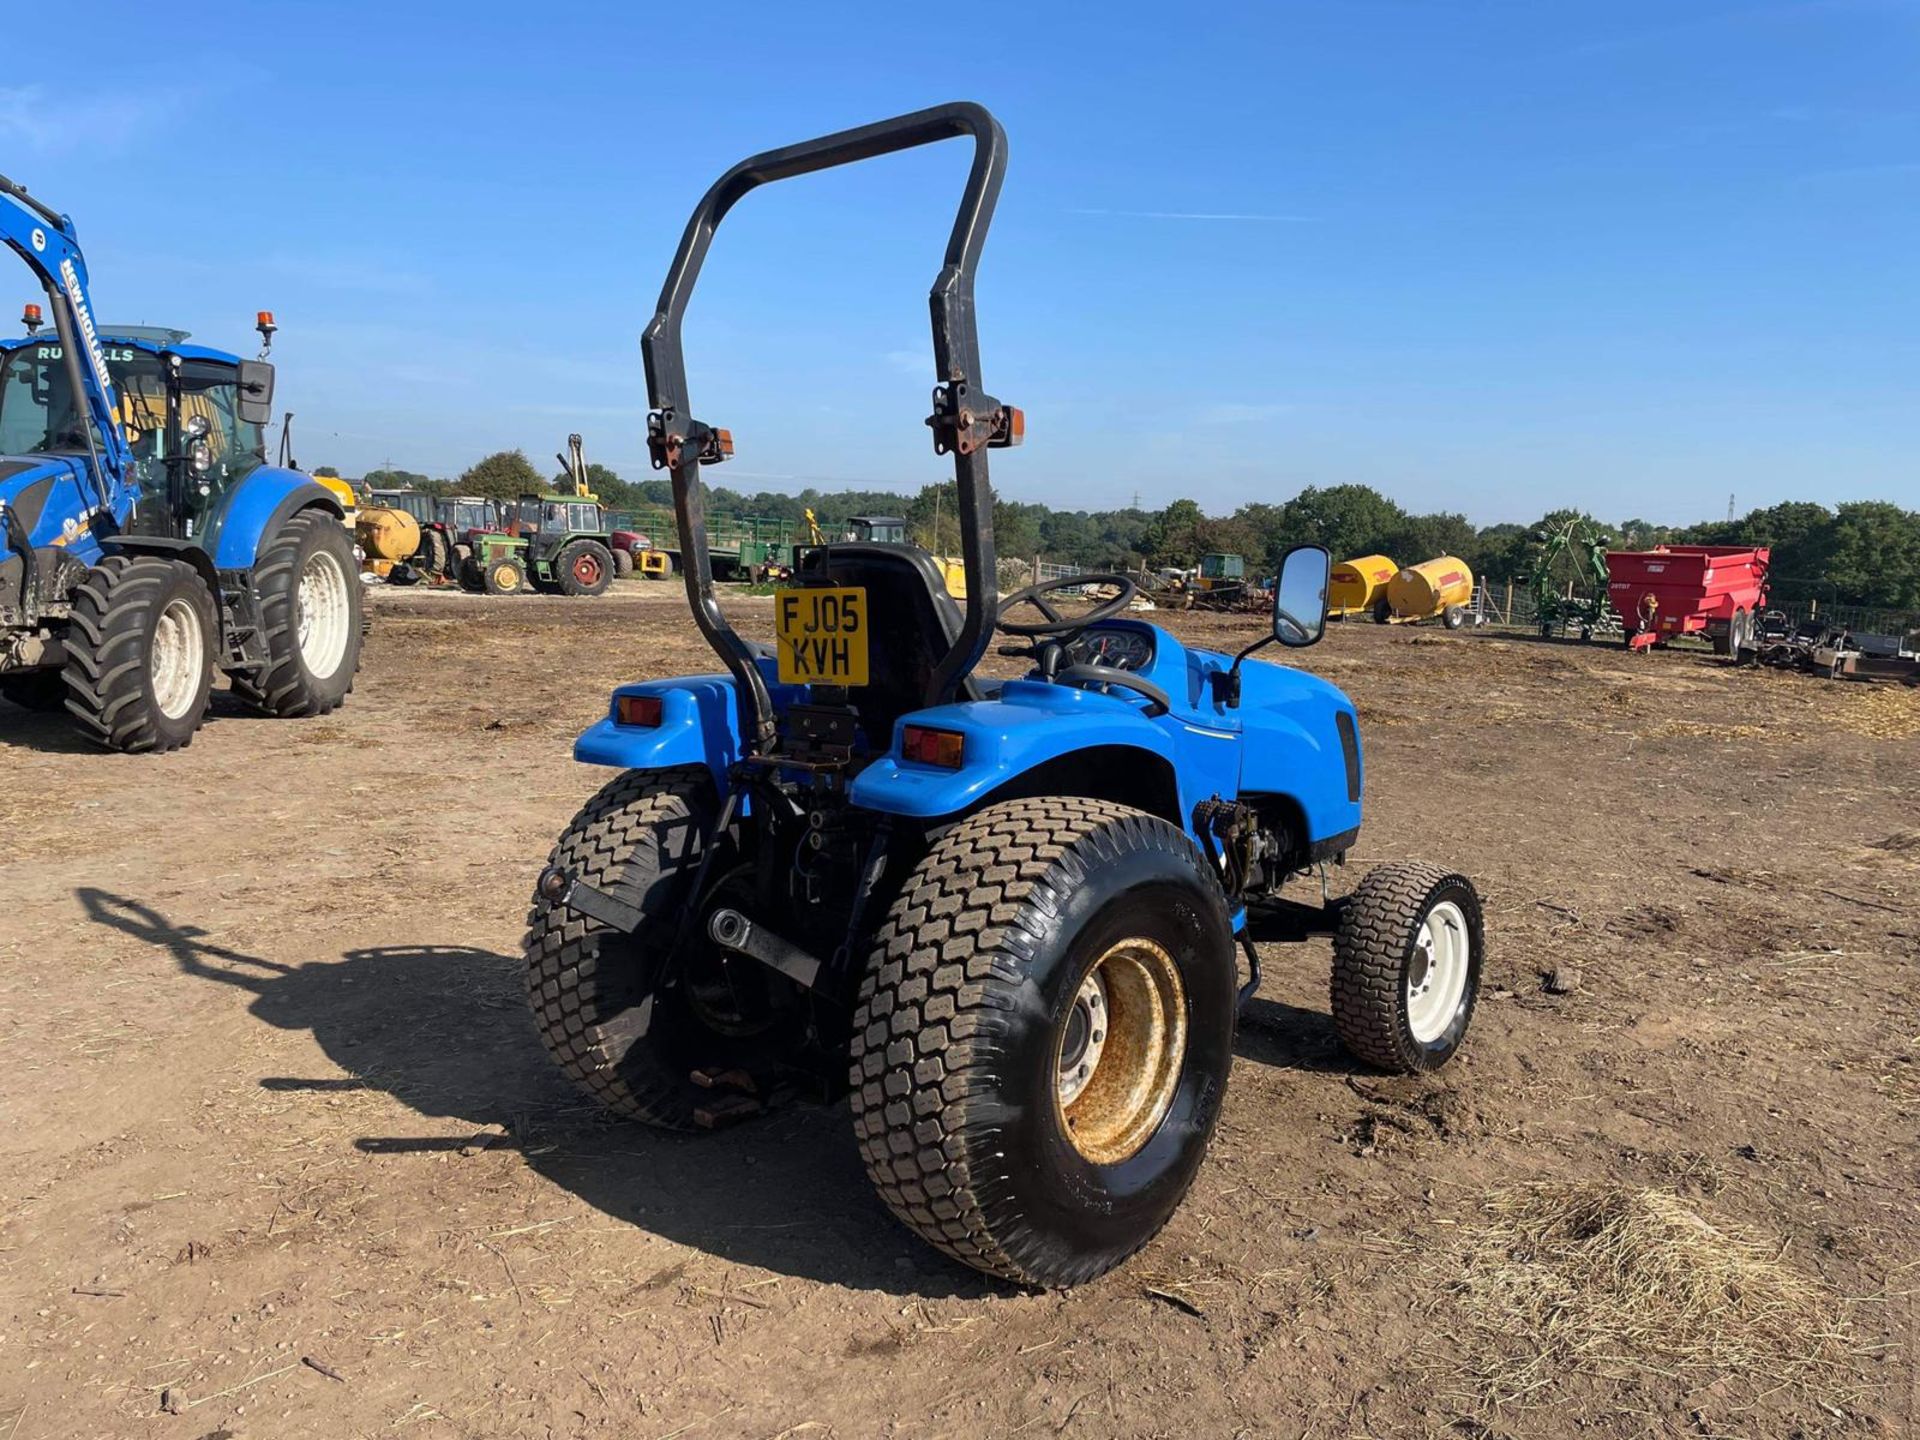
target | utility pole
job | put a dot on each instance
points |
(1729, 509)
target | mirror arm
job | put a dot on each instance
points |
(1226, 683)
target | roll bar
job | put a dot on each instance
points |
(965, 420)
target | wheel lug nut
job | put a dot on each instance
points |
(1098, 1036)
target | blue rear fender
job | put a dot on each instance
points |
(699, 725)
(1030, 725)
(254, 511)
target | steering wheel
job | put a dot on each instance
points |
(1056, 624)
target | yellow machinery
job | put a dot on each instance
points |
(387, 537)
(1441, 588)
(348, 497)
(1356, 586)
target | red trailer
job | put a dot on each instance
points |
(1672, 590)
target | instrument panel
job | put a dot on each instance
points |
(1119, 649)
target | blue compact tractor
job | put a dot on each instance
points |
(144, 540)
(1009, 913)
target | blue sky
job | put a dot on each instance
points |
(1494, 257)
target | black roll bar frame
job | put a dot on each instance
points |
(966, 421)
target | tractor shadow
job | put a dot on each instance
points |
(445, 1031)
(52, 732)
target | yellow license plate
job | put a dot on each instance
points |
(822, 635)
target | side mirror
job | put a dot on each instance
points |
(1300, 596)
(255, 406)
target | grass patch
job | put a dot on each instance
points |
(1569, 1283)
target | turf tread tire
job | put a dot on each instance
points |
(1370, 947)
(608, 846)
(947, 965)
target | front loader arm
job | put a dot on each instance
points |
(45, 240)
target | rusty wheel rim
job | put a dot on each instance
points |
(586, 569)
(1118, 1055)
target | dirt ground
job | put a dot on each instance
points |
(282, 1156)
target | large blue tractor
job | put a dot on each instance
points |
(1005, 912)
(145, 542)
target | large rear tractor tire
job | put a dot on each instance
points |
(434, 555)
(310, 620)
(140, 650)
(1406, 966)
(623, 1037)
(583, 568)
(1043, 1037)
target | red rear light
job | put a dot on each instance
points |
(945, 748)
(638, 710)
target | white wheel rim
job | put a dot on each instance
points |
(322, 615)
(179, 658)
(1087, 1040)
(1437, 972)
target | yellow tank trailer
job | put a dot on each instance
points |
(1439, 589)
(1356, 586)
(387, 536)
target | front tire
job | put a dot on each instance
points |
(1406, 966)
(991, 1119)
(503, 576)
(140, 649)
(622, 564)
(310, 620)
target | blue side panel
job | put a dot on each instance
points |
(54, 500)
(254, 509)
(1291, 720)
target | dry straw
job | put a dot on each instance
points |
(1573, 1281)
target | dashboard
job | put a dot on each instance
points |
(1118, 649)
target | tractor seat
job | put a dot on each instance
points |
(914, 623)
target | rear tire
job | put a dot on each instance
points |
(140, 650)
(583, 568)
(434, 555)
(981, 1124)
(629, 1045)
(1406, 966)
(309, 619)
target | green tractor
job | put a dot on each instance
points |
(556, 543)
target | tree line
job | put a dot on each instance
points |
(1864, 552)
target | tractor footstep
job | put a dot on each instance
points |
(725, 1080)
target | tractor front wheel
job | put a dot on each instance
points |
(140, 653)
(584, 568)
(310, 619)
(625, 1036)
(1043, 1037)
(622, 564)
(503, 576)
(1406, 966)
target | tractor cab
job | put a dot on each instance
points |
(877, 529)
(193, 419)
(416, 503)
(464, 516)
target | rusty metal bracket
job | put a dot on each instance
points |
(963, 422)
(668, 440)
